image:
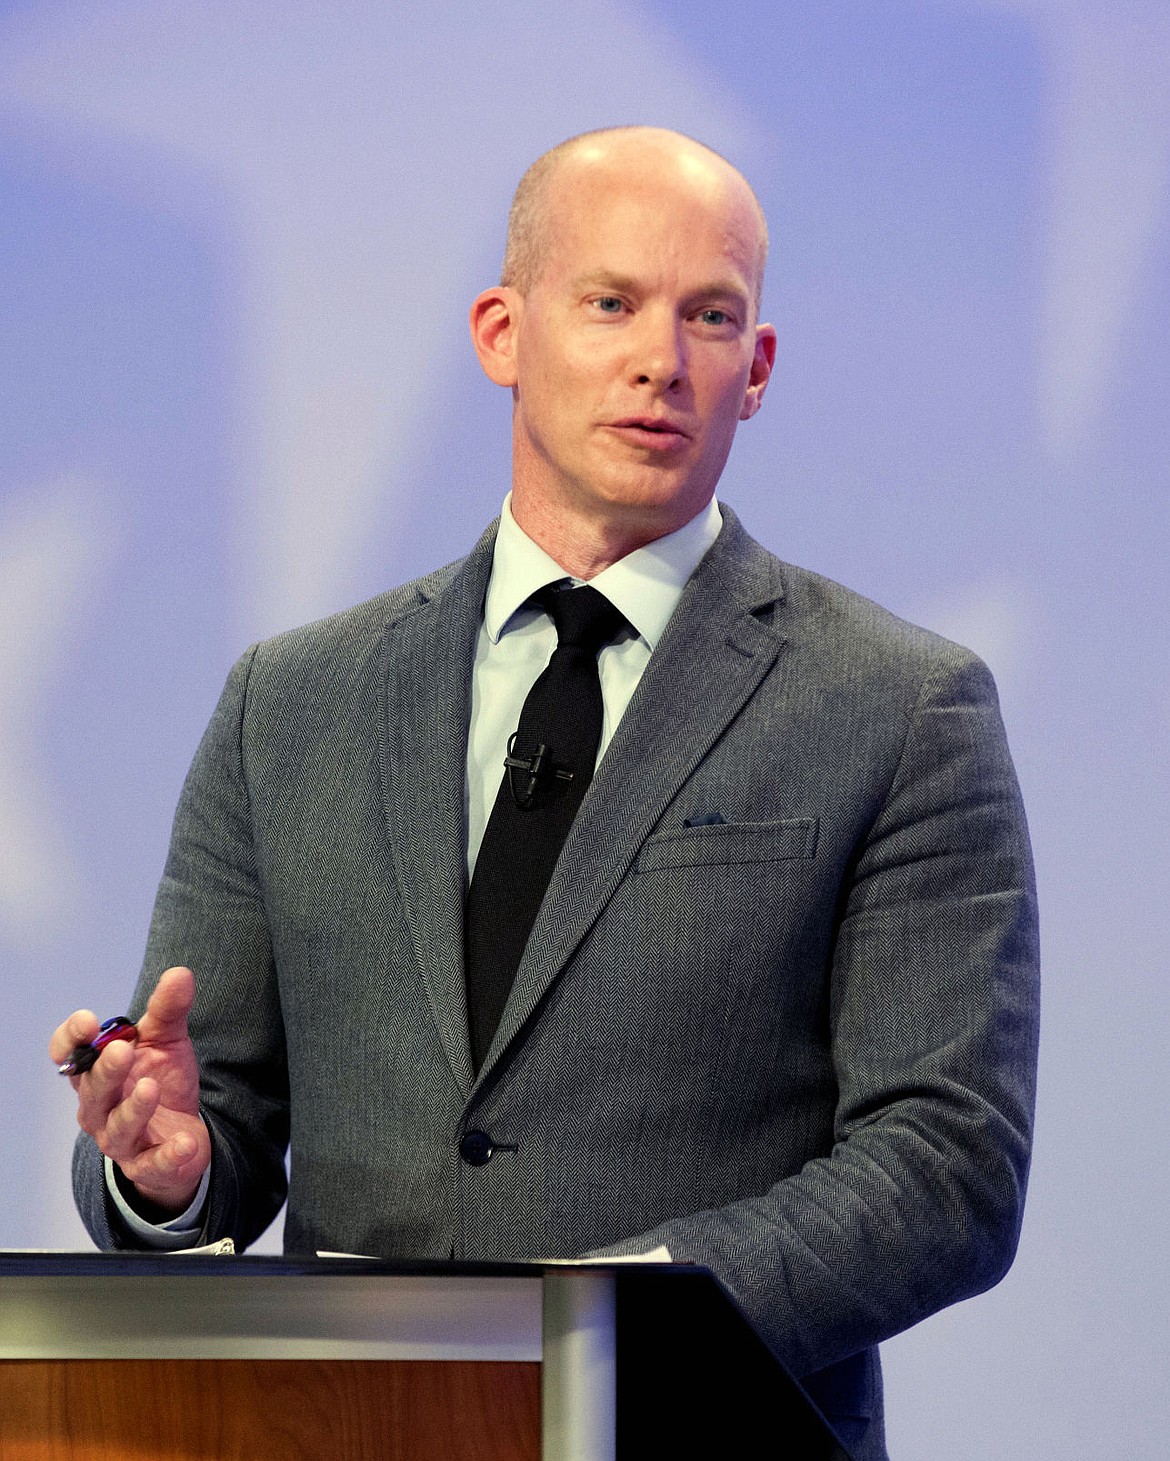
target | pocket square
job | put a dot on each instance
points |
(707, 819)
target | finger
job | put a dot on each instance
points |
(102, 1088)
(124, 1135)
(78, 1029)
(165, 1018)
(169, 1173)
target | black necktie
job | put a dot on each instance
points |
(547, 772)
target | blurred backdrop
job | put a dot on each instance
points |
(237, 244)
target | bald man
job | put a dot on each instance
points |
(773, 1005)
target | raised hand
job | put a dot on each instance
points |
(140, 1101)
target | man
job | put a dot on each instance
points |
(776, 1011)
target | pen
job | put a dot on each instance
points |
(83, 1056)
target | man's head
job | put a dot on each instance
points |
(529, 224)
(626, 328)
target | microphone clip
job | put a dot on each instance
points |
(525, 774)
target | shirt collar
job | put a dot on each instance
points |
(645, 585)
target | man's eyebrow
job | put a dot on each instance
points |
(722, 289)
(604, 279)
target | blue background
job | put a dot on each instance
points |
(237, 244)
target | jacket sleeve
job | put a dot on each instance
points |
(933, 1009)
(209, 914)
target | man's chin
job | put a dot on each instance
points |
(653, 505)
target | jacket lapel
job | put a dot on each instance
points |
(428, 656)
(708, 664)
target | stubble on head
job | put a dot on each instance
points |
(530, 218)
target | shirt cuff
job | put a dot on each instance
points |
(183, 1231)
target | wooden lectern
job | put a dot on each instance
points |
(160, 1357)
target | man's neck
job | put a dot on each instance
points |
(584, 546)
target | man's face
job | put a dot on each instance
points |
(636, 349)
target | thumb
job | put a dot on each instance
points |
(164, 1020)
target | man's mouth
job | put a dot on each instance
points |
(651, 427)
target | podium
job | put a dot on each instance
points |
(149, 1357)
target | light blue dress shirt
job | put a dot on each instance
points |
(517, 639)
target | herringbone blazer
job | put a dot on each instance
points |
(778, 1010)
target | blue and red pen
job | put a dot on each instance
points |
(82, 1057)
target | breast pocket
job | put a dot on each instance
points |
(730, 842)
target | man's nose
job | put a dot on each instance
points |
(660, 355)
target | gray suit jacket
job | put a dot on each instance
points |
(778, 1010)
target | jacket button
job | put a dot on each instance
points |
(476, 1148)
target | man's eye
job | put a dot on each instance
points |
(714, 316)
(609, 304)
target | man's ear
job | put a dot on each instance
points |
(495, 315)
(762, 362)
